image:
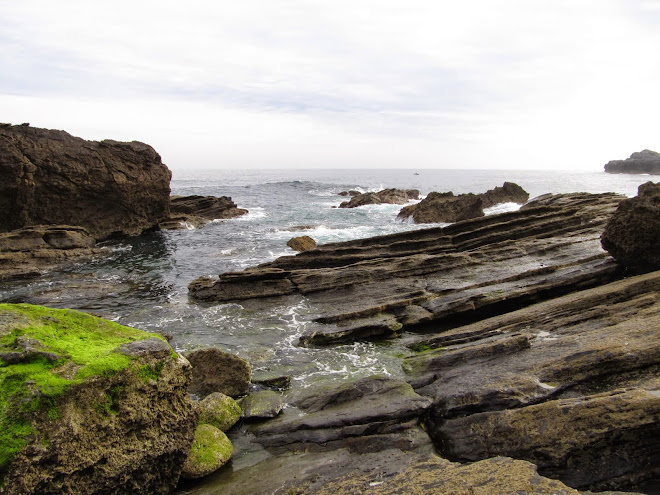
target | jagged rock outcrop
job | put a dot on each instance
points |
(197, 211)
(27, 252)
(350, 193)
(447, 208)
(632, 235)
(388, 196)
(89, 406)
(302, 243)
(49, 177)
(640, 162)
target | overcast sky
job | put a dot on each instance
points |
(552, 84)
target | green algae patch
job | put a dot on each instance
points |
(43, 352)
(210, 450)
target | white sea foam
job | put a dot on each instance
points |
(254, 213)
(502, 208)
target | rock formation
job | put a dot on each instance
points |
(389, 196)
(25, 253)
(641, 162)
(525, 341)
(447, 208)
(49, 177)
(218, 371)
(302, 243)
(197, 211)
(632, 235)
(88, 406)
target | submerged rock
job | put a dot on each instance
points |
(197, 211)
(89, 406)
(49, 177)
(641, 162)
(447, 208)
(389, 196)
(264, 404)
(218, 371)
(632, 236)
(302, 243)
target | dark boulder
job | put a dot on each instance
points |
(218, 371)
(50, 177)
(632, 236)
(641, 162)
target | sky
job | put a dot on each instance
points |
(475, 84)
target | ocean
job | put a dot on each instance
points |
(143, 281)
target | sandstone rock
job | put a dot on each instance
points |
(641, 162)
(210, 451)
(447, 208)
(302, 243)
(264, 404)
(219, 410)
(218, 371)
(29, 251)
(389, 196)
(109, 188)
(197, 211)
(632, 235)
(79, 416)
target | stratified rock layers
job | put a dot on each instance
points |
(108, 187)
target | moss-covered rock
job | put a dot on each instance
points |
(210, 450)
(263, 404)
(219, 410)
(88, 405)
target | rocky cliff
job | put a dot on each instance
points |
(108, 187)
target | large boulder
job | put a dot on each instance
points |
(641, 162)
(108, 187)
(302, 243)
(89, 406)
(632, 235)
(448, 208)
(210, 451)
(218, 371)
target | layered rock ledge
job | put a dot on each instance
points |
(196, 211)
(386, 196)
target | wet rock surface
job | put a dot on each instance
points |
(526, 340)
(110, 188)
(446, 208)
(214, 370)
(197, 211)
(27, 252)
(302, 243)
(640, 162)
(632, 236)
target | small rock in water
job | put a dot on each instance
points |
(219, 410)
(218, 371)
(302, 243)
(264, 404)
(210, 450)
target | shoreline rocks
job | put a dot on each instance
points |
(632, 236)
(89, 406)
(641, 162)
(302, 243)
(389, 196)
(447, 208)
(196, 211)
(110, 188)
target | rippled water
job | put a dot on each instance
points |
(143, 281)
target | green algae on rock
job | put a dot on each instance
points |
(210, 450)
(88, 403)
(219, 410)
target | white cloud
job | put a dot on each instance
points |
(309, 83)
